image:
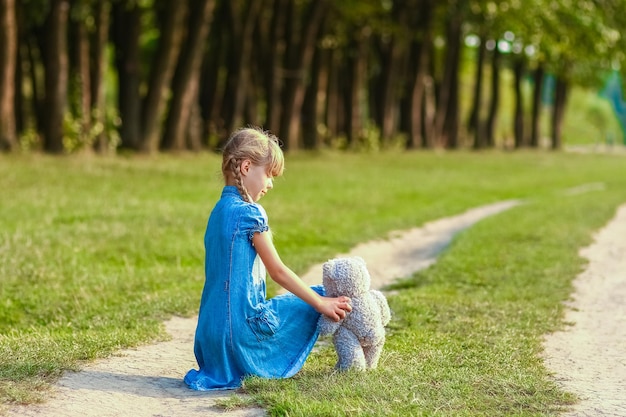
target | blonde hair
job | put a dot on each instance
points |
(257, 145)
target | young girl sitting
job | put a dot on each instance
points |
(239, 331)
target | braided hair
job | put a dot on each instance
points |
(252, 143)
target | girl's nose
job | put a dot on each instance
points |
(270, 183)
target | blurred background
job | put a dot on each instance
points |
(108, 76)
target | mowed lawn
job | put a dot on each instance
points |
(96, 252)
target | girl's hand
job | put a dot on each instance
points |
(335, 308)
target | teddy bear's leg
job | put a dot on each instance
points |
(349, 350)
(372, 353)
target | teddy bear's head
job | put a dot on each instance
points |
(346, 276)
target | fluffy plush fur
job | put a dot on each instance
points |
(359, 338)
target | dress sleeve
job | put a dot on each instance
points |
(254, 221)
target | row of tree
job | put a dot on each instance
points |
(152, 75)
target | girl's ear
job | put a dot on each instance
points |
(245, 166)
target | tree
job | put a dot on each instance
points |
(356, 82)
(443, 134)
(186, 79)
(162, 70)
(418, 120)
(518, 119)
(474, 123)
(392, 45)
(79, 95)
(126, 31)
(558, 111)
(538, 76)
(275, 57)
(300, 48)
(494, 104)
(8, 56)
(98, 68)
(56, 66)
(242, 17)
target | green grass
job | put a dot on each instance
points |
(96, 253)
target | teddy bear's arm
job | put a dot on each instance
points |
(385, 312)
(328, 327)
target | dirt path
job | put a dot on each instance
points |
(148, 381)
(589, 357)
(405, 252)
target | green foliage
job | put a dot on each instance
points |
(78, 137)
(590, 120)
(29, 140)
(96, 253)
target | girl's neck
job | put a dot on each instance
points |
(230, 180)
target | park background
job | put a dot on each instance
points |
(151, 75)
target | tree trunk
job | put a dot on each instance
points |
(275, 59)
(392, 77)
(56, 75)
(314, 95)
(126, 32)
(451, 126)
(421, 52)
(186, 79)
(518, 123)
(415, 102)
(473, 123)
(211, 90)
(8, 58)
(357, 76)
(243, 15)
(98, 68)
(322, 98)
(311, 21)
(334, 105)
(429, 113)
(81, 80)
(450, 129)
(536, 106)
(558, 111)
(390, 82)
(162, 70)
(32, 52)
(453, 33)
(19, 99)
(495, 98)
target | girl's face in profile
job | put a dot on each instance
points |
(256, 179)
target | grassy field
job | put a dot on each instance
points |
(96, 253)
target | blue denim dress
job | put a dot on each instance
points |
(239, 331)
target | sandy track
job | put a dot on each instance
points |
(588, 358)
(148, 381)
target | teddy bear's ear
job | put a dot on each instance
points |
(327, 268)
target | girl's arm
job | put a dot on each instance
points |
(334, 308)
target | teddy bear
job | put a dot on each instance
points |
(360, 336)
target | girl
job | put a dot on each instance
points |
(239, 331)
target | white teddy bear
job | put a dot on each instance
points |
(358, 338)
